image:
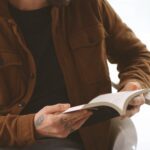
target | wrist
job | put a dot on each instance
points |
(37, 134)
(135, 83)
(131, 85)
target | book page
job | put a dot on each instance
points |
(119, 99)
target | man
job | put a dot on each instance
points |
(55, 51)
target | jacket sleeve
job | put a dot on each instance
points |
(16, 130)
(125, 49)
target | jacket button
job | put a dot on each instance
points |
(21, 105)
(1, 61)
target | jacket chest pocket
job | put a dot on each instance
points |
(88, 51)
(11, 78)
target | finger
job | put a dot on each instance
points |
(137, 101)
(56, 108)
(75, 115)
(79, 123)
(69, 125)
(87, 115)
(68, 122)
(131, 112)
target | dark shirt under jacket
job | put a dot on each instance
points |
(50, 87)
(36, 28)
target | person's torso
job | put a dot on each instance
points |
(80, 48)
(36, 28)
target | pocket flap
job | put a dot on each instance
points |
(9, 58)
(87, 37)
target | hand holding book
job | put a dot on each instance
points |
(125, 103)
(135, 103)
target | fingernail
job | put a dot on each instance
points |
(67, 105)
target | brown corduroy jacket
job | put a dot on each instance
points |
(85, 34)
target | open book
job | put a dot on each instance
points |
(110, 105)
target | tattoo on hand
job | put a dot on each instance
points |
(67, 125)
(39, 121)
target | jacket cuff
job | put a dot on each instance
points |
(26, 129)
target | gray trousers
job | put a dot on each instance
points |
(50, 144)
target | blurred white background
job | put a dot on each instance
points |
(136, 14)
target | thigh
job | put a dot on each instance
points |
(50, 144)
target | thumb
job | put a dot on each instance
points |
(56, 108)
(131, 86)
